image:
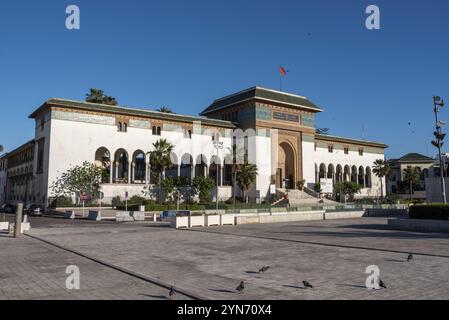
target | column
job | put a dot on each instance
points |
(116, 171)
(129, 172)
(145, 178)
(179, 170)
(111, 171)
(133, 172)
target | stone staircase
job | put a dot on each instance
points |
(298, 197)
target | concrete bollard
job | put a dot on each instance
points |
(18, 224)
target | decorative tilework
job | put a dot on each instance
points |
(82, 117)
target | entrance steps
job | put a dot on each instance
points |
(298, 197)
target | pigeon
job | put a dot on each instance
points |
(410, 257)
(307, 284)
(263, 269)
(172, 293)
(240, 287)
(382, 284)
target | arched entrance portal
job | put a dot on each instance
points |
(285, 175)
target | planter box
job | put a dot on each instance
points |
(69, 215)
(4, 225)
(137, 215)
(94, 215)
(179, 222)
(213, 220)
(123, 216)
(227, 219)
(343, 215)
(196, 221)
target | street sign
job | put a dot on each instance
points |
(272, 188)
(326, 185)
(126, 195)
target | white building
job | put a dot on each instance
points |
(276, 130)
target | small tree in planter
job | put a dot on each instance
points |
(246, 177)
(203, 187)
(317, 187)
(85, 178)
(348, 188)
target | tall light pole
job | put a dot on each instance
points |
(438, 142)
(217, 145)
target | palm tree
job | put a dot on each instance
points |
(381, 169)
(165, 110)
(160, 160)
(412, 176)
(98, 96)
(246, 176)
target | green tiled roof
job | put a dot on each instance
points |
(80, 105)
(263, 94)
(415, 157)
(349, 140)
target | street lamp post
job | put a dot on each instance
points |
(217, 145)
(438, 142)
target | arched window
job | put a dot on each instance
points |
(154, 130)
(158, 131)
(119, 126)
(125, 127)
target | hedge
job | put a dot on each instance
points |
(431, 212)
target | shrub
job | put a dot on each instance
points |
(432, 212)
(137, 200)
(116, 201)
(61, 202)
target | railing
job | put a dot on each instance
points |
(311, 192)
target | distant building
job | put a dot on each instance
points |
(3, 175)
(395, 182)
(19, 174)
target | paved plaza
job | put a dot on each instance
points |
(128, 260)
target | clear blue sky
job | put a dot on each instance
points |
(183, 54)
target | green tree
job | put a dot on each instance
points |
(164, 110)
(412, 177)
(381, 169)
(246, 176)
(203, 187)
(98, 96)
(160, 160)
(348, 188)
(85, 178)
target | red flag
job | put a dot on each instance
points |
(282, 70)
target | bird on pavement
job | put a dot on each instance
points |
(382, 284)
(307, 284)
(410, 257)
(172, 292)
(263, 269)
(240, 287)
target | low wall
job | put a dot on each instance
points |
(343, 215)
(286, 217)
(386, 213)
(419, 225)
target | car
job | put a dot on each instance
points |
(9, 209)
(33, 210)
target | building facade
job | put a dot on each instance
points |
(395, 181)
(275, 130)
(3, 176)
